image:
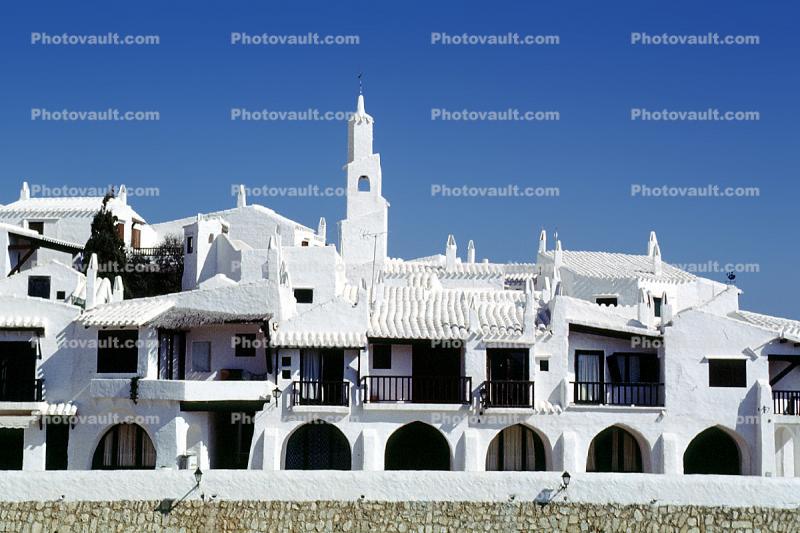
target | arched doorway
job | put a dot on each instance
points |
(516, 448)
(318, 446)
(125, 447)
(713, 451)
(417, 446)
(614, 450)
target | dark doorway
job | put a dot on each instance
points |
(614, 450)
(318, 446)
(508, 377)
(712, 452)
(436, 374)
(171, 355)
(18, 372)
(516, 449)
(11, 446)
(417, 446)
(232, 436)
(56, 445)
(322, 378)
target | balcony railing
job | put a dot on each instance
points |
(786, 402)
(321, 393)
(639, 394)
(507, 393)
(24, 390)
(416, 389)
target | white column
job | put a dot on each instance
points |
(764, 453)
(569, 459)
(34, 448)
(671, 460)
(273, 446)
(472, 451)
(372, 451)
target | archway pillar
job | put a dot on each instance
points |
(272, 448)
(567, 456)
(473, 459)
(170, 442)
(373, 453)
(671, 458)
(765, 442)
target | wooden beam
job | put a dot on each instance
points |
(22, 261)
(784, 372)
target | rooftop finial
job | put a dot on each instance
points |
(360, 83)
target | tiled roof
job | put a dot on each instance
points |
(784, 326)
(398, 268)
(614, 266)
(31, 234)
(318, 339)
(128, 313)
(12, 321)
(426, 312)
(614, 318)
(52, 207)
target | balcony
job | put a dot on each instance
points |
(786, 402)
(507, 393)
(332, 393)
(21, 390)
(416, 389)
(181, 390)
(627, 394)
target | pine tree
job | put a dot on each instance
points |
(106, 243)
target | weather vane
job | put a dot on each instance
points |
(360, 84)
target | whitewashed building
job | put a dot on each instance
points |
(287, 351)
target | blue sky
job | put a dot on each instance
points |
(593, 153)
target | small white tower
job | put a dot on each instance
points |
(364, 230)
(25, 191)
(470, 252)
(450, 252)
(241, 197)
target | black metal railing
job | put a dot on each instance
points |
(321, 393)
(786, 402)
(598, 393)
(507, 393)
(416, 389)
(22, 390)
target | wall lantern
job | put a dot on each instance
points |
(198, 476)
(277, 393)
(565, 479)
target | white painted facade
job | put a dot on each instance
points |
(370, 344)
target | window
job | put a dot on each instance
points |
(210, 238)
(727, 373)
(544, 365)
(286, 374)
(136, 238)
(39, 287)
(382, 356)
(606, 300)
(286, 360)
(633, 368)
(38, 227)
(121, 231)
(201, 356)
(657, 306)
(189, 244)
(61, 295)
(304, 296)
(363, 184)
(117, 352)
(304, 243)
(245, 344)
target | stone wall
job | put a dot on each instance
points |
(370, 516)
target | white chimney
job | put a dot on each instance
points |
(542, 242)
(25, 191)
(91, 283)
(450, 252)
(241, 197)
(118, 294)
(645, 309)
(470, 252)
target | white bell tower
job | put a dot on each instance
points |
(364, 229)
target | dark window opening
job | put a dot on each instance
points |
(117, 352)
(136, 238)
(607, 301)
(39, 287)
(189, 245)
(417, 446)
(246, 345)
(125, 447)
(121, 231)
(712, 452)
(304, 296)
(304, 243)
(727, 373)
(657, 306)
(544, 365)
(61, 295)
(57, 442)
(286, 360)
(614, 450)
(363, 184)
(633, 368)
(286, 374)
(38, 227)
(318, 446)
(516, 449)
(382, 356)
(12, 444)
(232, 436)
